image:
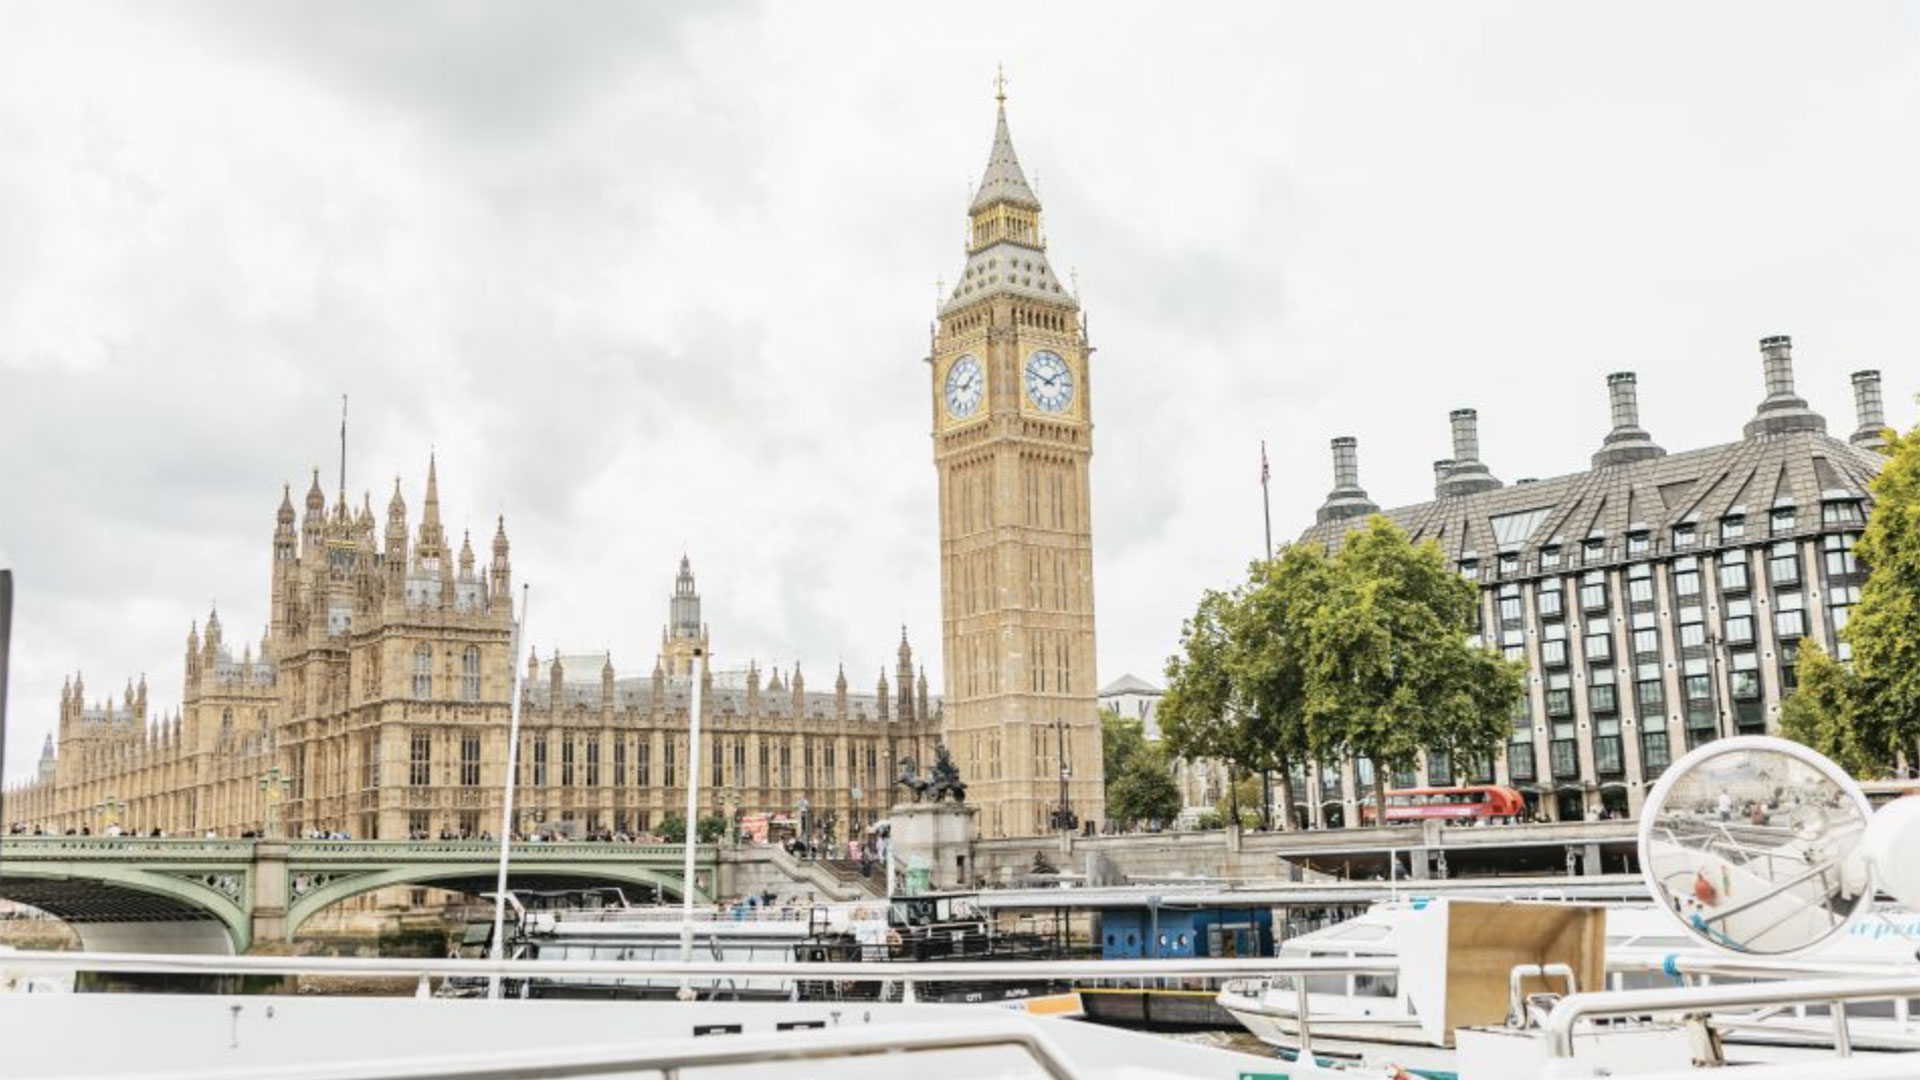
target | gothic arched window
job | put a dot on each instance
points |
(226, 728)
(470, 674)
(422, 673)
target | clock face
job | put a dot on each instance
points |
(1049, 381)
(965, 386)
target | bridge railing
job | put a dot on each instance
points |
(138, 847)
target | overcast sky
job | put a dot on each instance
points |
(657, 278)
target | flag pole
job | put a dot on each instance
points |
(1266, 513)
(1266, 508)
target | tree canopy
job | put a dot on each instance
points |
(1884, 630)
(1822, 712)
(1366, 652)
(1143, 791)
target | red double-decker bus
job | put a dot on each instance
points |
(1480, 803)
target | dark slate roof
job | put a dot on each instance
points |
(1801, 468)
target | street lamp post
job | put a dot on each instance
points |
(1064, 818)
(275, 789)
(801, 806)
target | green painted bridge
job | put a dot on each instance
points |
(142, 894)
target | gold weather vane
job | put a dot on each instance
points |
(1000, 84)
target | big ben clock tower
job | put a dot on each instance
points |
(1012, 436)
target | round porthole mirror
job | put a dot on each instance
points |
(1756, 845)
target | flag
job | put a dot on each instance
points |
(1264, 471)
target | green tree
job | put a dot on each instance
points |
(1268, 628)
(673, 828)
(1144, 790)
(1199, 714)
(1239, 802)
(1390, 669)
(1822, 713)
(1884, 630)
(1120, 739)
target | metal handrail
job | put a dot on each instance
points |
(671, 1059)
(1834, 992)
(917, 971)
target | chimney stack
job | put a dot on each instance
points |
(1872, 433)
(1466, 435)
(1781, 412)
(1347, 499)
(1346, 461)
(1627, 441)
(1466, 474)
(1441, 469)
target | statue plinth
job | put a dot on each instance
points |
(941, 835)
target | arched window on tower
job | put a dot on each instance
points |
(422, 673)
(470, 674)
(226, 729)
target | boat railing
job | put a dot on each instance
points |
(669, 1060)
(1833, 993)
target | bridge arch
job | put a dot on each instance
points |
(119, 907)
(313, 891)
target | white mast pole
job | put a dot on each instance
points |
(697, 674)
(506, 805)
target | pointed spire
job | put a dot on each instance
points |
(466, 554)
(1003, 182)
(397, 506)
(285, 516)
(316, 499)
(500, 546)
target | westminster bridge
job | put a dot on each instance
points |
(196, 895)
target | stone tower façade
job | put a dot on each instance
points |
(1012, 437)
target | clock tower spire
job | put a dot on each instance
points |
(1012, 439)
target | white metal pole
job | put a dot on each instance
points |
(697, 674)
(506, 805)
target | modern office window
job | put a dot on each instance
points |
(1733, 527)
(1593, 551)
(1593, 593)
(1470, 569)
(1511, 609)
(1746, 675)
(1783, 564)
(1686, 582)
(1837, 553)
(1553, 654)
(1600, 691)
(1738, 620)
(1599, 648)
(1640, 590)
(1784, 518)
(1509, 564)
(1549, 599)
(1733, 574)
(1692, 635)
(1684, 536)
(1638, 543)
(1841, 512)
(1646, 643)
(1550, 557)
(1789, 622)
(1559, 696)
(1650, 695)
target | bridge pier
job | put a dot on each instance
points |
(269, 902)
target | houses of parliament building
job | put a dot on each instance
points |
(378, 703)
